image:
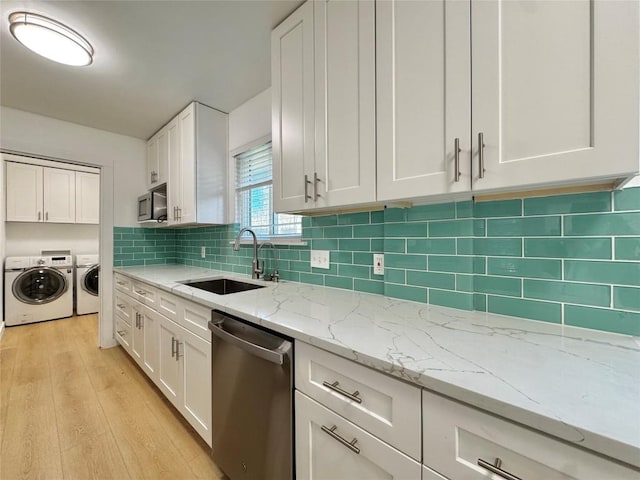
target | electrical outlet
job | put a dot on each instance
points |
(378, 263)
(203, 252)
(320, 259)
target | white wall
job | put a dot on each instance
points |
(29, 238)
(122, 178)
(250, 121)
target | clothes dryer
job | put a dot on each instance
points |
(87, 283)
(37, 289)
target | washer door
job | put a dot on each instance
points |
(90, 280)
(39, 286)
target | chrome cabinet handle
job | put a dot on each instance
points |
(351, 396)
(306, 189)
(137, 319)
(179, 213)
(315, 186)
(350, 445)
(121, 305)
(120, 283)
(456, 157)
(173, 346)
(178, 355)
(39, 215)
(122, 333)
(46, 216)
(495, 468)
(141, 292)
(480, 155)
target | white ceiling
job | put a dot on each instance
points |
(151, 59)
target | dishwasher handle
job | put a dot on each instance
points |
(274, 356)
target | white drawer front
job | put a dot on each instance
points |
(122, 283)
(122, 306)
(322, 456)
(144, 293)
(457, 437)
(389, 408)
(195, 318)
(123, 333)
(168, 305)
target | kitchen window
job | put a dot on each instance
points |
(254, 196)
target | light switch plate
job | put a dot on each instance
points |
(320, 259)
(378, 263)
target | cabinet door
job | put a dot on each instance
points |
(555, 90)
(163, 157)
(24, 193)
(195, 354)
(187, 203)
(151, 350)
(174, 182)
(321, 455)
(59, 195)
(137, 334)
(292, 74)
(345, 98)
(423, 98)
(152, 161)
(87, 198)
(169, 366)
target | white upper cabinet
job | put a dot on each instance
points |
(40, 194)
(323, 61)
(423, 98)
(542, 93)
(157, 159)
(292, 76)
(555, 91)
(24, 192)
(197, 158)
(87, 198)
(345, 169)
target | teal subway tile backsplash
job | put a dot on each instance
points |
(563, 258)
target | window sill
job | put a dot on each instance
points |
(281, 241)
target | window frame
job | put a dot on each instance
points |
(231, 196)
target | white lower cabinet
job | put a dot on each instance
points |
(464, 443)
(174, 352)
(328, 447)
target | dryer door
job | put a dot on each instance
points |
(90, 280)
(39, 286)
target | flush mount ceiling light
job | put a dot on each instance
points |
(50, 39)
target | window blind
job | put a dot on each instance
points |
(254, 196)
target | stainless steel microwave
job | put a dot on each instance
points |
(152, 206)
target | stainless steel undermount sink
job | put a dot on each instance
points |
(223, 286)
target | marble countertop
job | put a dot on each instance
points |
(580, 385)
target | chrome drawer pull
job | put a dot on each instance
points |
(350, 445)
(141, 292)
(177, 350)
(495, 468)
(173, 347)
(121, 333)
(351, 396)
(121, 305)
(120, 283)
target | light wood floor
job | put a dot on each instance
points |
(69, 410)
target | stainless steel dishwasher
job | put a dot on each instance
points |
(252, 413)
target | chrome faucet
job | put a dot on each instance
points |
(255, 267)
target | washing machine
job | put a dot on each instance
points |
(37, 289)
(87, 278)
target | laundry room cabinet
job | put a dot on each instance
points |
(323, 73)
(51, 195)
